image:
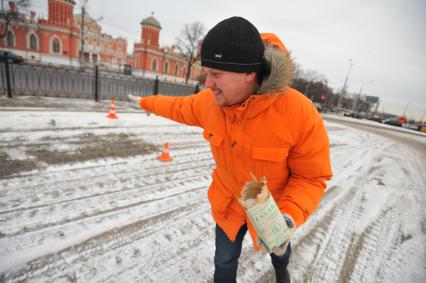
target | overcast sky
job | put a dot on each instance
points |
(386, 39)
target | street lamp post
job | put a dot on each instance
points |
(83, 12)
(82, 32)
(339, 103)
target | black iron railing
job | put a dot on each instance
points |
(54, 81)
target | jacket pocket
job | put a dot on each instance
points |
(271, 162)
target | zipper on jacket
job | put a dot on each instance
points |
(251, 101)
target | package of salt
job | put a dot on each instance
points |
(264, 213)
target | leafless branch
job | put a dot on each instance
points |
(10, 11)
(188, 44)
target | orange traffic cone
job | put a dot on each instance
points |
(112, 114)
(165, 154)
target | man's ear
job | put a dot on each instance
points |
(250, 77)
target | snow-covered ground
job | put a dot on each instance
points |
(84, 199)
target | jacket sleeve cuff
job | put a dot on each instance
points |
(299, 216)
(289, 220)
(146, 103)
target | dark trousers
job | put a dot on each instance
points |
(227, 254)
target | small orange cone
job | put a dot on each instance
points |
(112, 114)
(165, 154)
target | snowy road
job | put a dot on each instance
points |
(414, 139)
(83, 199)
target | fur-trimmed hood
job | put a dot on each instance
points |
(280, 66)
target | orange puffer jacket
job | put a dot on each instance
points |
(276, 133)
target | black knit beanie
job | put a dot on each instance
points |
(233, 45)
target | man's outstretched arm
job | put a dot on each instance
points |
(187, 109)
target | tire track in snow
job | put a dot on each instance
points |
(131, 247)
(107, 203)
(327, 235)
(101, 168)
(158, 183)
(100, 185)
(97, 224)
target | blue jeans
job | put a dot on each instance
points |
(227, 254)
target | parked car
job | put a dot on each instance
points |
(318, 106)
(10, 57)
(374, 117)
(353, 114)
(411, 126)
(392, 122)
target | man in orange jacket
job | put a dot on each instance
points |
(255, 123)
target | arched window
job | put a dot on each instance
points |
(33, 42)
(176, 70)
(166, 67)
(10, 39)
(154, 64)
(56, 46)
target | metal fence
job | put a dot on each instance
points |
(53, 81)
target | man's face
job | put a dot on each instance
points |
(230, 88)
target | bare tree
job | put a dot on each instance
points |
(188, 44)
(10, 13)
(298, 70)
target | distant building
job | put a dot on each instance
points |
(54, 40)
(100, 47)
(57, 40)
(149, 60)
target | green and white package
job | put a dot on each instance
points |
(269, 223)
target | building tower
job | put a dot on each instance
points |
(150, 34)
(61, 12)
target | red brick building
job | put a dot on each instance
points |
(54, 40)
(149, 60)
(57, 40)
